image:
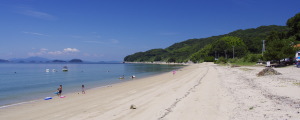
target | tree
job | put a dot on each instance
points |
(187, 50)
(294, 25)
(157, 58)
(201, 54)
(171, 60)
(224, 47)
(278, 48)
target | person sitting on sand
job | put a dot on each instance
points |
(57, 91)
(83, 90)
(174, 72)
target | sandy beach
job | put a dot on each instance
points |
(197, 92)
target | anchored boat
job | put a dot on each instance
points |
(65, 69)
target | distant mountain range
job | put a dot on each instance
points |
(30, 59)
(36, 59)
(3, 61)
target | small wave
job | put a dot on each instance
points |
(10, 105)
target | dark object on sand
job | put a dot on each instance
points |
(132, 107)
(268, 71)
(235, 66)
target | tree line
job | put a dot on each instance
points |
(247, 44)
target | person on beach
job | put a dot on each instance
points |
(122, 77)
(298, 64)
(83, 90)
(59, 90)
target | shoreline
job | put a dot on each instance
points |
(38, 95)
(23, 105)
(92, 88)
(199, 91)
(78, 92)
(160, 63)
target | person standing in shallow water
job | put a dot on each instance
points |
(59, 90)
(83, 90)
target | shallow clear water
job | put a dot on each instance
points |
(24, 82)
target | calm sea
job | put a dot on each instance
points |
(25, 82)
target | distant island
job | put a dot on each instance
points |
(39, 60)
(59, 61)
(45, 60)
(3, 61)
(71, 61)
(75, 61)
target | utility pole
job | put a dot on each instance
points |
(233, 51)
(225, 54)
(215, 55)
(263, 48)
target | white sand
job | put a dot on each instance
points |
(197, 92)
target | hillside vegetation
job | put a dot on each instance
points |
(237, 44)
(181, 52)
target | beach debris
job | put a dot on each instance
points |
(47, 98)
(298, 84)
(235, 66)
(246, 69)
(268, 71)
(132, 106)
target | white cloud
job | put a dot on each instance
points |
(71, 50)
(41, 52)
(35, 33)
(114, 41)
(56, 53)
(98, 42)
(44, 51)
(38, 14)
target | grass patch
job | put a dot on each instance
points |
(298, 84)
(244, 63)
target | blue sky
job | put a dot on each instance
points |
(103, 30)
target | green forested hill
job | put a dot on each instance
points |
(182, 51)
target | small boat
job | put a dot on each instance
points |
(65, 69)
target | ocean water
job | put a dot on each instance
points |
(26, 82)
